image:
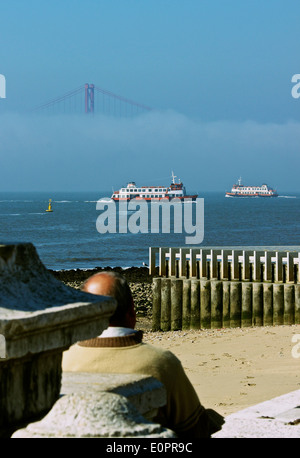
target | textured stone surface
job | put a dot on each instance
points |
(37, 311)
(276, 418)
(29, 387)
(146, 393)
(93, 415)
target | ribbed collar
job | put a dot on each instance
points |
(123, 341)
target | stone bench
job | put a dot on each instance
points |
(103, 405)
(40, 318)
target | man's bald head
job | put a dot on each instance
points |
(102, 283)
(115, 285)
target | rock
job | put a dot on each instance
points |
(138, 278)
(93, 415)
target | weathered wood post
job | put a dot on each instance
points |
(257, 303)
(176, 303)
(235, 304)
(246, 306)
(205, 301)
(232, 288)
(216, 303)
(186, 304)
(156, 303)
(226, 303)
(165, 304)
(195, 304)
(278, 304)
(289, 304)
(268, 312)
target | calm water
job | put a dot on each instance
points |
(68, 238)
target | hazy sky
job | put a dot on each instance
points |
(217, 75)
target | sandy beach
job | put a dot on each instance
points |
(231, 369)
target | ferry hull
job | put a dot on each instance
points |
(156, 199)
(231, 194)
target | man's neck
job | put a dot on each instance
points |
(117, 331)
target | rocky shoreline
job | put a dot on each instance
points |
(138, 278)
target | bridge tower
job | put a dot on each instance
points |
(89, 98)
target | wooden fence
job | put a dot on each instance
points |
(226, 264)
(214, 288)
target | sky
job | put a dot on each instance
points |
(217, 75)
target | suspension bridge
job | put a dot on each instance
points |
(89, 99)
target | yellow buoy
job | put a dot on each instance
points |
(49, 209)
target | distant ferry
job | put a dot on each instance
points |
(239, 190)
(176, 189)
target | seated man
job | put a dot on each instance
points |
(119, 349)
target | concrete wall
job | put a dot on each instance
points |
(180, 303)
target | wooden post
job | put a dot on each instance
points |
(235, 304)
(176, 304)
(246, 307)
(246, 266)
(226, 303)
(214, 264)
(152, 260)
(162, 261)
(268, 313)
(193, 262)
(186, 304)
(173, 253)
(156, 304)
(278, 304)
(216, 303)
(278, 267)
(289, 304)
(203, 266)
(165, 304)
(268, 266)
(257, 265)
(257, 303)
(224, 264)
(205, 304)
(195, 304)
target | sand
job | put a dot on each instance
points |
(232, 369)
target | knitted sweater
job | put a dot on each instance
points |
(183, 412)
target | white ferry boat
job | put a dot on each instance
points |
(132, 191)
(240, 190)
